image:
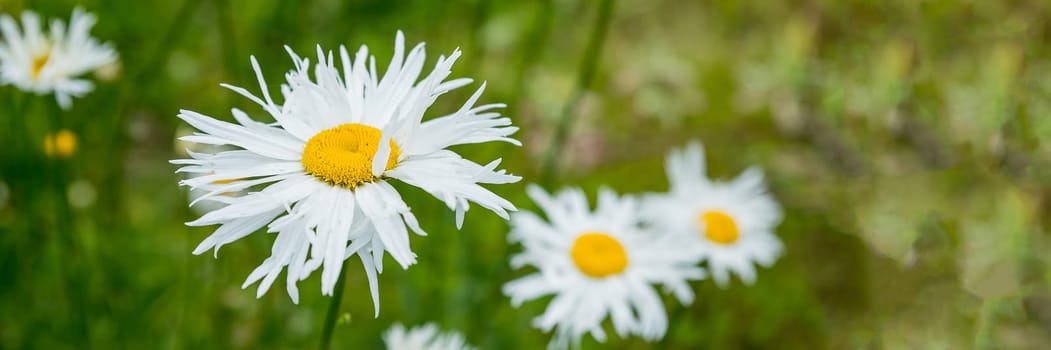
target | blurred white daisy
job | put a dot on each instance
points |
(42, 63)
(596, 264)
(319, 176)
(731, 223)
(426, 337)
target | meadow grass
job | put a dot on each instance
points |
(907, 142)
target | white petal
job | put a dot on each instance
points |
(379, 160)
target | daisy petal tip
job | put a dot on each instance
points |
(201, 249)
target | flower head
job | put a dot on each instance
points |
(50, 62)
(426, 337)
(320, 175)
(597, 264)
(731, 223)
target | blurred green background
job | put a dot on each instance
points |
(909, 142)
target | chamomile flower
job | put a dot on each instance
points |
(597, 264)
(731, 223)
(426, 337)
(43, 63)
(320, 175)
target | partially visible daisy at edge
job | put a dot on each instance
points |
(731, 222)
(319, 175)
(425, 337)
(597, 264)
(50, 62)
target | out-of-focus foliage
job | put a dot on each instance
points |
(909, 142)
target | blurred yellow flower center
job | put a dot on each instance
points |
(61, 144)
(719, 227)
(599, 255)
(39, 62)
(343, 155)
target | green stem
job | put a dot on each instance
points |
(17, 122)
(983, 335)
(333, 310)
(71, 263)
(587, 73)
(21, 151)
(69, 257)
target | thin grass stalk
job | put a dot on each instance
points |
(69, 256)
(588, 67)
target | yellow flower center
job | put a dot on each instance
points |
(719, 227)
(39, 62)
(599, 255)
(343, 155)
(61, 144)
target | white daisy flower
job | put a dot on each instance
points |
(731, 223)
(426, 337)
(43, 63)
(320, 175)
(596, 264)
